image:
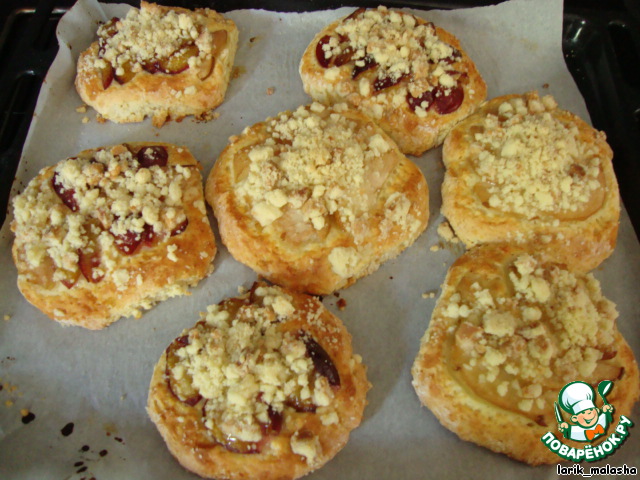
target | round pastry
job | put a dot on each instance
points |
(317, 198)
(522, 170)
(411, 77)
(163, 62)
(112, 231)
(508, 332)
(265, 386)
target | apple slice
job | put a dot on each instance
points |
(127, 73)
(179, 61)
(219, 43)
(106, 75)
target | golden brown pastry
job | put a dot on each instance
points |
(522, 170)
(265, 386)
(162, 62)
(316, 198)
(411, 77)
(509, 330)
(112, 231)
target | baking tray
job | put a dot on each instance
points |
(601, 43)
(397, 333)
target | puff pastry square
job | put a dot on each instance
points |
(161, 62)
(316, 198)
(523, 170)
(509, 330)
(112, 231)
(410, 76)
(265, 386)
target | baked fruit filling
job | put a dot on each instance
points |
(96, 207)
(156, 41)
(531, 160)
(387, 50)
(522, 330)
(244, 369)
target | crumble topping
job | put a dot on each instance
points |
(387, 48)
(529, 161)
(318, 166)
(555, 327)
(151, 33)
(247, 367)
(95, 208)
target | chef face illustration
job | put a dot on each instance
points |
(590, 422)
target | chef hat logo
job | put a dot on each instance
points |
(577, 397)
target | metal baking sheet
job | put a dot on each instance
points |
(87, 390)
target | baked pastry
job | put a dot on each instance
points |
(316, 198)
(522, 170)
(162, 62)
(509, 330)
(265, 386)
(411, 77)
(112, 231)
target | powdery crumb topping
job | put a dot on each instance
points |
(114, 198)
(530, 162)
(556, 327)
(319, 166)
(151, 33)
(244, 365)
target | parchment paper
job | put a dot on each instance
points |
(98, 380)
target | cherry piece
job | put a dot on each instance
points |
(88, 261)
(322, 361)
(343, 57)
(450, 102)
(320, 53)
(381, 83)
(182, 389)
(180, 228)
(128, 242)
(70, 278)
(454, 57)
(369, 63)
(300, 405)
(415, 102)
(275, 422)
(65, 194)
(152, 156)
(148, 235)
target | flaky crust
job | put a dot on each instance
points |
(413, 134)
(581, 239)
(160, 96)
(186, 437)
(153, 276)
(475, 418)
(293, 254)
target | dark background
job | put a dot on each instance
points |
(601, 43)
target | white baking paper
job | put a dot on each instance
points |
(99, 380)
